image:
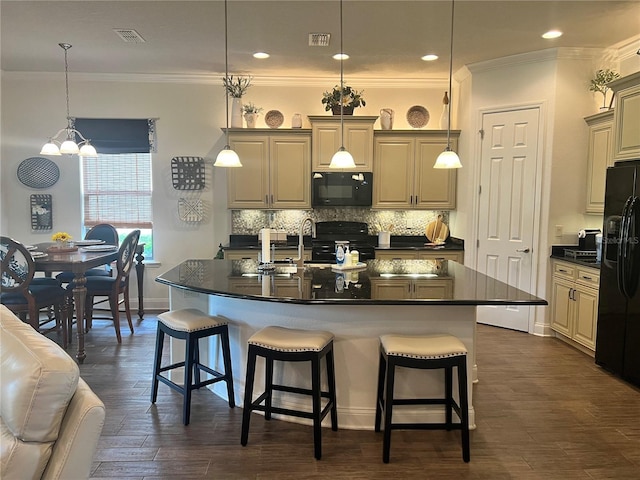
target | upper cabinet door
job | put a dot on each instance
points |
(435, 189)
(326, 138)
(393, 172)
(248, 186)
(598, 159)
(290, 172)
(626, 126)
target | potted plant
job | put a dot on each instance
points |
(351, 99)
(251, 114)
(236, 87)
(599, 84)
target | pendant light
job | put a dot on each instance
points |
(68, 145)
(226, 157)
(342, 158)
(449, 158)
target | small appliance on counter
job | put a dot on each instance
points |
(587, 239)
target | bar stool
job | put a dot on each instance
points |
(424, 352)
(290, 345)
(190, 324)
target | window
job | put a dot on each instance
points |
(116, 185)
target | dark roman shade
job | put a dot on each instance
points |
(116, 135)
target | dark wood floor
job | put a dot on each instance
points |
(544, 410)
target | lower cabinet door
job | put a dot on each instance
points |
(586, 316)
(562, 306)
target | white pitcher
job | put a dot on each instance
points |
(386, 118)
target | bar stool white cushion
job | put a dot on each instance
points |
(291, 340)
(423, 347)
(190, 320)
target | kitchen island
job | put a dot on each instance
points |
(384, 296)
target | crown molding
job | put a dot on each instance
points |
(215, 79)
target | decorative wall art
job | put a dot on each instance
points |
(38, 172)
(187, 173)
(41, 212)
(190, 210)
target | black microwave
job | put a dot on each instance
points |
(342, 189)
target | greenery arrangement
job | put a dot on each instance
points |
(251, 108)
(350, 98)
(237, 86)
(600, 81)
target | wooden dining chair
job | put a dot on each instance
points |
(113, 287)
(26, 297)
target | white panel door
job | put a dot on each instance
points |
(506, 208)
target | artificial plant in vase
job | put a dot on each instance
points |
(600, 84)
(236, 88)
(251, 114)
(351, 99)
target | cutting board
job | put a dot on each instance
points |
(436, 231)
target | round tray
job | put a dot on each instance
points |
(274, 118)
(38, 172)
(56, 249)
(417, 116)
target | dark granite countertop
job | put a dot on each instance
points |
(557, 253)
(453, 283)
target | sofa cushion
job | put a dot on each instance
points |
(38, 381)
(22, 459)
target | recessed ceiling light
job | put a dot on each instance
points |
(340, 56)
(552, 34)
(430, 57)
(261, 55)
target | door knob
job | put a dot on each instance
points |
(523, 250)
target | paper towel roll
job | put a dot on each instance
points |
(266, 245)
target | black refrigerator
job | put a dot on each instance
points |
(618, 333)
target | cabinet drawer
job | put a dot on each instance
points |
(588, 277)
(564, 270)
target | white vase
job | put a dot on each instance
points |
(236, 113)
(296, 121)
(251, 118)
(386, 118)
(444, 118)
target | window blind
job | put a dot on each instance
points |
(117, 190)
(117, 135)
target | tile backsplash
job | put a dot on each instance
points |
(398, 222)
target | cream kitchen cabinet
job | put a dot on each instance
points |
(403, 173)
(456, 255)
(276, 170)
(626, 124)
(598, 158)
(326, 140)
(394, 288)
(574, 304)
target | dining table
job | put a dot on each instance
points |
(79, 260)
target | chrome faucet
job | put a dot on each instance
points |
(300, 260)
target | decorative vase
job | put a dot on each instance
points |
(251, 119)
(444, 118)
(236, 113)
(346, 110)
(386, 118)
(296, 121)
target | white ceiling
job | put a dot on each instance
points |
(384, 38)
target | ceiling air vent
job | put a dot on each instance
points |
(129, 35)
(319, 39)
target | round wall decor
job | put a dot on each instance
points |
(38, 172)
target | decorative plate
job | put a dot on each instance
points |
(417, 116)
(187, 173)
(82, 243)
(99, 248)
(38, 172)
(274, 118)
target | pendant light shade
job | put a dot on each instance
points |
(342, 158)
(226, 157)
(449, 158)
(69, 145)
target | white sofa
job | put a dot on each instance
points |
(50, 420)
